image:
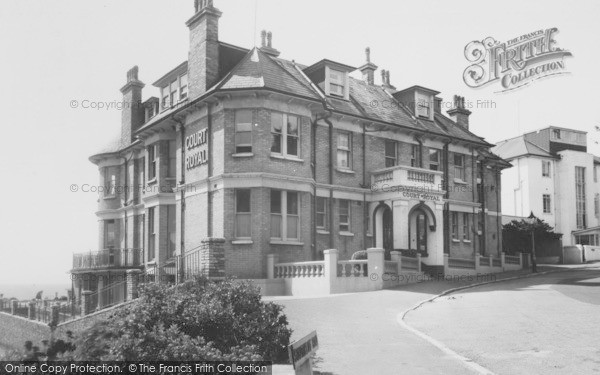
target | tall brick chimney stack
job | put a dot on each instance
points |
(132, 114)
(459, 113)
(203, 61)
(368, 70)
(385, 80)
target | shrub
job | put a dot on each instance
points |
(198, 320)
(359, 255)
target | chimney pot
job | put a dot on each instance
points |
(269, 39)
(263, 38)
(459, 113)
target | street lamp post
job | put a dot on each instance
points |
(531, 221)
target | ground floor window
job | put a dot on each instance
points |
(546, 203)
(285, 215)
(344, 215)
(151, 234)
(466, 227)
(171, 232)
(321, 213)
(587, 239)
(243, 217)
(454, 223)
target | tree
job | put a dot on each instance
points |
(197, 320)
(516, 236)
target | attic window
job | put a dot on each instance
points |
(556, 133)
(337, 83)
(174, 92)
(423, 106)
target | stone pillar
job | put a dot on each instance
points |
(397, 257)
(330, 269)
(31, 310)
(502, 260)
(55, 315)
(132, 277)
(446, 257)
(272, 260)
(14, 305)
(418, 262)
(101, 301)
(477, 257)
(86, 302)
(376, 266)
(491, 261)
(212, 258)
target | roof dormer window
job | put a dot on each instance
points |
(337, 83)
(174, 92)
(423, 108)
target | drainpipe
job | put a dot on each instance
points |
(209, 168)
(447, 204)
(474, 198)
(483, 215)
(364, 185)
(181, 265)
(331, 229)
(315, 124)
(498, 216)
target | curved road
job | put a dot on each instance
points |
(548, 324)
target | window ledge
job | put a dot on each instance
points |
(282, 242)
(287, 157)
(460, 181)
(466, 241)
(455, 240)
(322, 231)
(347, 234)
(109, 197)
(242, 242)
(342, 170)
(152, 182)
(243, 155)
(151, 263)
(369, 234)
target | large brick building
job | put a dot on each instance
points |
(278, 157)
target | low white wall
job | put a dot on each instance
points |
(592, 253)
(306, 286)
(268, 287)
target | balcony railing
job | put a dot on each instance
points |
(110, 258)
(415, 179)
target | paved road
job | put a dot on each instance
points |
(549, 324)
(360, 334)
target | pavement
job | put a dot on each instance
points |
(542, 325)
(362, 333)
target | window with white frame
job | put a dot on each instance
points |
(466, 226)
(110, 234)
(243, 217)
(175, 91)
(556, 133)
(391, 153)
(151, 233)
(321, 213)
(434, 159)
(454, 221)
(153, 152)
(597, 205)
(459, 166)
(423, 107)
(285, 134)
(580, 211)
(545, 168)
(546, 203)
(344, 151)
(344, 215)
(415, 158)
(243, 131)
(285, 215)
(172, 159)
(110, 180)
(337, 83)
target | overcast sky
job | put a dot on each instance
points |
(54, 52)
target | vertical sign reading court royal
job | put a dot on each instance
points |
(196, 147)
(515, 63)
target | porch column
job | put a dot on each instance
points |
(132, 284)
(397, 257)
(330, 268)
(272, 260)
(375, 259)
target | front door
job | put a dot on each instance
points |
(388, 230)
(421, 232)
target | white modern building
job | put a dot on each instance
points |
(554, 177)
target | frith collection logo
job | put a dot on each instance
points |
(515, 63)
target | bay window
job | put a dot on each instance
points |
(285, 215)
(243, 218)
(285, 134)
(243, 131)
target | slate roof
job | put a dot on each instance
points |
(516, 147)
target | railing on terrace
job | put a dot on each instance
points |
(511, 259)
(461, 263)
(484, 261)
(299, 269)
(419, 176)
(111, 295)
(390, 267)
(383, 176)
(45, 311)
(496, 262)
(352, 268)
(117, 258)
